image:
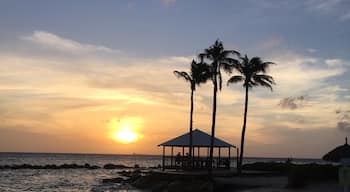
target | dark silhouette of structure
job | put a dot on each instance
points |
(340, 152)
(201, 140)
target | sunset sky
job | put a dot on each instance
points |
(73, 73)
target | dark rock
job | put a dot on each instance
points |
(50, 167)
(112, 166)
(34, 167)
(94, 167)
(125, 173)
(113, 180)
(70, 166)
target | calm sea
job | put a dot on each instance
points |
(81, 179)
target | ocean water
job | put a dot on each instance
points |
(79, 180)
(75, 180)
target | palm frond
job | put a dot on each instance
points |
(229, 64)
(253, 72)
(264, 80)
(184, 75)
(227, 67)
(201, 57)
(258, 65)
(220, 59)
(232, 52)
(265, 66)
(235, 79)
(230, 60)
(200, 72)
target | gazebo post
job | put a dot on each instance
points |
(237, 157)
(229, 157)
(219, 157)
(172, 156)
(163, 159)
(183, 156)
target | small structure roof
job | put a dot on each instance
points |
(200, 139)
(342, 151)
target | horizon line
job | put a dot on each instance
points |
(140, 154)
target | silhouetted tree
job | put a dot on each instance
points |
(252, 74)
(197, 75)
(219, 59)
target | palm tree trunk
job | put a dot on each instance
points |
(243, 131)
(191, 129)
(215, 90)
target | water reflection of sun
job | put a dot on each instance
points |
(125, 130)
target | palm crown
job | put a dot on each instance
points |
(220, 60)
(198, 74)
(252, 73)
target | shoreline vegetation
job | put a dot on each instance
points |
(286, 176)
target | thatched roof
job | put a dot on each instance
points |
(341, 152)
(200, 139)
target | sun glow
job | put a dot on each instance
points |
(126, 135)
(125, 130)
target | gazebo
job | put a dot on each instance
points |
(201, 140)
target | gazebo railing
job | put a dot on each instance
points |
(198, 162)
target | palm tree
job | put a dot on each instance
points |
(220, 59)
(252, 74)
(196, 76)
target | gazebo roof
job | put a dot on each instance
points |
(200, 139)
(342, 151)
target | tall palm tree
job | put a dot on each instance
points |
(252, 74)
(197, 75)
(219, 59)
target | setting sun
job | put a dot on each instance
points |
(125, 130)
(126, 135)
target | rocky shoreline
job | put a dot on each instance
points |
(156, 182)
(283, 175)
